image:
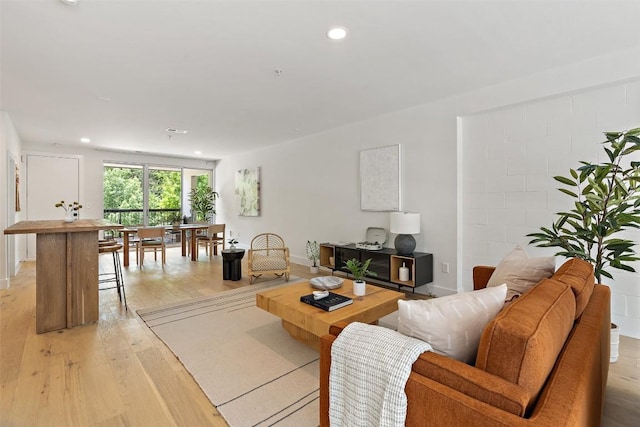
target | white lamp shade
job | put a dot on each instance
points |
(405, 223)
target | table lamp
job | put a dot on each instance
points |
(404, 224)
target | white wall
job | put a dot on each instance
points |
(309, 187)
(510, 158)
(9, 147)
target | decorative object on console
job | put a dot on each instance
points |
(232, 243)
(375, 238)
(403, 273)
(404, 224)
(359, 270)
(313, 253)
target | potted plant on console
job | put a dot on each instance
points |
(606, 202)
(359, 270)
(313, 253)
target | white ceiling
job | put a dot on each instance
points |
(208, 66)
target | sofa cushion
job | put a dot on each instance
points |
(520, 272)
(523, 341)
(451, 324)
(578, 274)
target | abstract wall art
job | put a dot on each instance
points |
(248, 192)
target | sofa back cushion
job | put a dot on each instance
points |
(578, 274)
(523, 341)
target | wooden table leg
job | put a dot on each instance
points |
(194, 246)
(125, 249)
(183, 239)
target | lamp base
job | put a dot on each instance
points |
(405, 244)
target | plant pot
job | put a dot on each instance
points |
(615, 341)
(314, 269)
(359, 288)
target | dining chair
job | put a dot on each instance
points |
(212, 240)
(151, 239)
(196, 233)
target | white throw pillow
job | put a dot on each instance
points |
(453, 324)
(520, 272)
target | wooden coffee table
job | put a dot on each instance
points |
(307, 323)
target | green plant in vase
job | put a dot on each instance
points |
(313, 253)
(203, 203)
(606, 201)
(359, 270)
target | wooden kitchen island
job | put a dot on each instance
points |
(66, 270)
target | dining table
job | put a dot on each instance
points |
(190, 229)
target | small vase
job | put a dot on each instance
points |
(232, 247)
(359, 288)
(314, 269)
(68, 216)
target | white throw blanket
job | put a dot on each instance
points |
(370, 366)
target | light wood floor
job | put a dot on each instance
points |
(117, 373)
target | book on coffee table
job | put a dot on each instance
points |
(328, 303)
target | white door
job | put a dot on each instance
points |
(50, 179)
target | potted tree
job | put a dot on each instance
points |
(606, 201)
(313, 253)
(359, 270)
(203, 203)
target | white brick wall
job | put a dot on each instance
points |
(509, 158)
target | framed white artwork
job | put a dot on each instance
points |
(380, 179)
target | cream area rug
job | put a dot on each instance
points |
(242, 358)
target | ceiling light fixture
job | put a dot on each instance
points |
(337, 33)
(70, 2)
(85, 140)
(197, 152)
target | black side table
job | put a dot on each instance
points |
(232, 264)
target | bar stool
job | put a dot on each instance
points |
(113, 247)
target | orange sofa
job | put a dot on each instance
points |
(543, 361)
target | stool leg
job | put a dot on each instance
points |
(121, 281)
(115, 270)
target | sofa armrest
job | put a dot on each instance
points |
(481, 275)
(473, 382)
(452, 375)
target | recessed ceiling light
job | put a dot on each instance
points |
(70, 2)
(180, 131)
(337, 33)
(85, 140)
(104, 98)
(198, 152)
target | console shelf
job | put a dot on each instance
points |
(385, 263)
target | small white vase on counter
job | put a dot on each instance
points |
(68, 216)
(359, 288)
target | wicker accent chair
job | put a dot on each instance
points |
(268, 254)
